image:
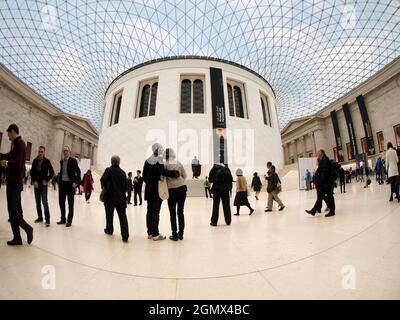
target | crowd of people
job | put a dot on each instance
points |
(165, 179)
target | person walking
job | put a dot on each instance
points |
(41, 173)
(177, 194)
(69, 179)
(88, 185)
(378, 170)
(153, 169)
(129, 188)
(342, 179)
(308, 179)
(392, 170)
(221, 178)
(274, 187)
(15, 163)
(324, 184)
(114, 181)
(137, 187)
(256, 184)
(207, 189)
(242, 193)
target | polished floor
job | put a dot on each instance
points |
(278, 255)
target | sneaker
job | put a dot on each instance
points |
(159, 237)
(38, 220)
(149, 236)
(47, 224)
(281, 208)
(173, 238)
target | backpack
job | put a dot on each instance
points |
(224, 177)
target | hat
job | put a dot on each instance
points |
(155, 146)
(239, 172)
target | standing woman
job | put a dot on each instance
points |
(241, 193)
(392, 170)
(256, 184)
(177, 194)
(88, 185)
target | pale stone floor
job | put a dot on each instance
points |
(279, 255)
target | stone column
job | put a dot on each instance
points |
(302, 147)
(312, 139)
(94, 162)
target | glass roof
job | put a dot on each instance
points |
(311, 52)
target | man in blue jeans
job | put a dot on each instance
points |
(41, 173)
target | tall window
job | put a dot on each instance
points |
(192, 94)
(348, 148)
(335, 154)
(265, 110)
(397, 134)
(364, 146)
(147, 98)
(381, 141)
(28, 151)
(116, 109)
(236, 100)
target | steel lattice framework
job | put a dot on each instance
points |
(311, 52)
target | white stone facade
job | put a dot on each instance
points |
(40, 123)
(189, 134)
(381, 95)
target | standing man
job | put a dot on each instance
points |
(41, 173)
(196, 167)
(115, 179)
(137, 187)
(152, 171)
(15, 164)
(69, 179)
(324, 184)
(207, 189)
(221, 178)
(342, 179)
(129, 187)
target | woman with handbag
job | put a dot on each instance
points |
(274, 187)
(242, 193)
(176, 194)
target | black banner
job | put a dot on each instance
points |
(336, 130)
(366, 124)
(218, 115)
(350, 128)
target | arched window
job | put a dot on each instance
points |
(198, 97)
(265, 110)
(116, 109)
(153, 99)
(144, 101)
(147, 102)
(230, 100)
(238, 102)
(186, 96)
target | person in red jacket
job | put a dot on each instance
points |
(15, 163)
(88, 185)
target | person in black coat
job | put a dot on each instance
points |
(41, 173)
(152, 170)
(129, 188)
(114, 180)
(342, 179)
(256, 184)
(137, 187)
(324, 185)
(221, 178)
(68, 179)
